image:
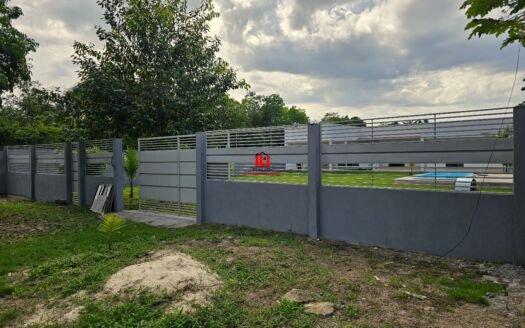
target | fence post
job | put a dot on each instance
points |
(519, 185)
(82, 173)
(4, 171)
(200, 150)
(68, 172)
(118, 175)
(32, 170)
(314, 178)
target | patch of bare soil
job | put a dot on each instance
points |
(44, 315)
(20, 229)
(177, 275)
(10, 199)
(59, 312)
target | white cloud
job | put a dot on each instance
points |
(365, 57)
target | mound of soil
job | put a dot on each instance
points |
(185, 280)
(175, 274)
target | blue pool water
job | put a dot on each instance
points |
(445, 175)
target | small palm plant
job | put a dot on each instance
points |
(412, 166)
(111, 223)
(131, 166)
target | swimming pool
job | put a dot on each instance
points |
(445, 175)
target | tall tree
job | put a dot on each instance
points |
(271, 111)
(294, 114)
(36, 115)
(496, 17)
(14, 48)
(158, 72)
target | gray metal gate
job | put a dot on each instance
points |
(167, 175)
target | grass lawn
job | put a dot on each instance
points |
(350, 179)
(49, 253)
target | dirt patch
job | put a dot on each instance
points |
(11, 199)
(44, 315)
(178, 275)
(20, 229)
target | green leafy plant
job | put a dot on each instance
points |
(131, 167)
(111, 223)
(496, 17)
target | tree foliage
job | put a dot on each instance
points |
(270, 111)
(496, 17)
(340, 119)
(14, 48)
(37, 115)
(157, 74)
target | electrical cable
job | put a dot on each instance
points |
(476, 207)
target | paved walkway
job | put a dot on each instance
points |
(157, 219)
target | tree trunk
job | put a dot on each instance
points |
(131, 192)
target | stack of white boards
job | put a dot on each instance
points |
(103, 202)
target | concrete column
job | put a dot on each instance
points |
(118, 175)
(68, 172)
(32, 170)
(3, 172)
(201, 176)
(314, 179)
(519, 185)
(82, 164)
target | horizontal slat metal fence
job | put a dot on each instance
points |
(18, 159)
(167, 175)
(99, 154)
(19, 170)
(421, 151)
(50, 159)
(428, 151)
(256, 155)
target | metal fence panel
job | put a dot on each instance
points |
(257, 155)
(167, 175)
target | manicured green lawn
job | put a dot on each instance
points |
(66, 255)
(350, 179)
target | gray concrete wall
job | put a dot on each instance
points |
(19, 184)
(426, 221)
(50, 188)
(257, 205)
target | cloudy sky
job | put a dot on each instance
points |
(359, 57)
